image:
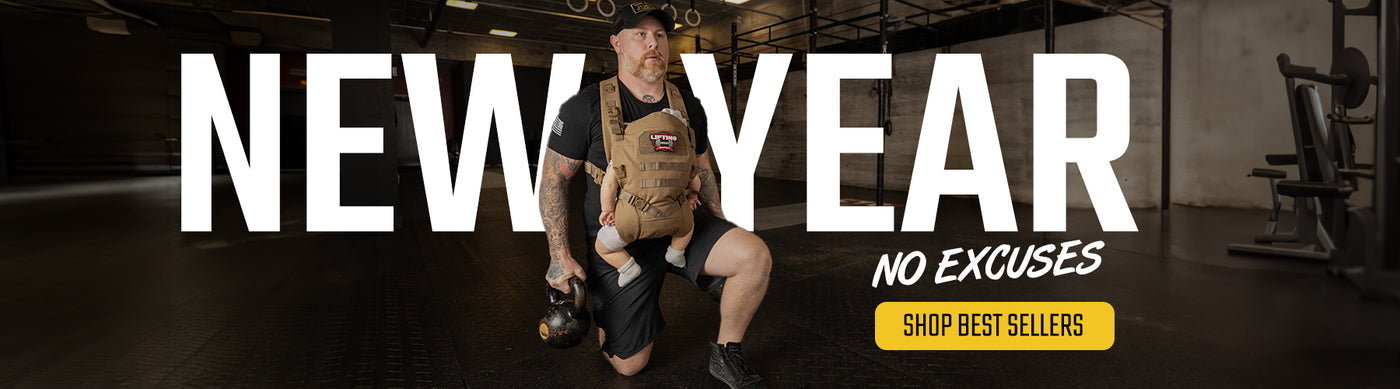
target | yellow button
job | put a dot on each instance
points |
(967, 325)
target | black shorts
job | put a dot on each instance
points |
(631, 315)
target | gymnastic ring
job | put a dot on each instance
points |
(611, 11)
(570, 3)
(675, 13)
(697, 17)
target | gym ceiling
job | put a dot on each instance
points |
(244, 22)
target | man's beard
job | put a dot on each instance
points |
(637, 67)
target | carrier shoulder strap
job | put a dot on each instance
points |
(610, 109)
(678, 104)
(673, 97)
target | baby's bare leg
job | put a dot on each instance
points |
(680, 242)
(617, 256)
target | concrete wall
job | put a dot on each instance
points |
(82, 101)
(1229, 102)
(714, 29)
(1229, 106)
(1008, 69)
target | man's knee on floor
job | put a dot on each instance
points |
(630, 366)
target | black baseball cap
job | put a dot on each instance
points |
(629, 15)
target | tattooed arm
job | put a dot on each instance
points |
(555, 176)
(709, 190)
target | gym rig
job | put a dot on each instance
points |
(744, 45)
(1359, 242)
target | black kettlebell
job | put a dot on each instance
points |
(566, 320)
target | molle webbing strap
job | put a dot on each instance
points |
(595, 172)
(610, 105)
(673, 98)
(641, 205)
(663, 183)
(610, 113)
(664, 166)
(678, 103)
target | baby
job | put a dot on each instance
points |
(627, 217)
(626, 265)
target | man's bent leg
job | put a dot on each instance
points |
(743, 258)
(630, 366)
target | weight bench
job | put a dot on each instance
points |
(1320, 189)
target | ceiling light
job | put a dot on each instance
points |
(736, 1)
(678, 26)
(504, 33)
(466, 4)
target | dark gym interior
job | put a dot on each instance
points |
(1262, 173)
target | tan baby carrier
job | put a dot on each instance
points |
(654, 161)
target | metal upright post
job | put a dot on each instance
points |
(1339, 31)
(1338, 105)
(883, 102)
(1049, 26)
(1387, 188)
(812, 27)
(1166, 109)
(734, 72)
(4, 135)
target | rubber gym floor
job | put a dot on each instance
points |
(99, 288)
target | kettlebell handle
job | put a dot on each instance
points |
(557, 297)
(578, 291)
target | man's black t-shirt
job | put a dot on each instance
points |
(578, 134)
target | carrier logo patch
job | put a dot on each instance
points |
(663, 141)
(558, 126)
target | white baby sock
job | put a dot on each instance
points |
(628, 272)
(675, 257)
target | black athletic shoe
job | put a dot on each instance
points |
(727, 365)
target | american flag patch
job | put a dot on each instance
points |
(558, 126)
